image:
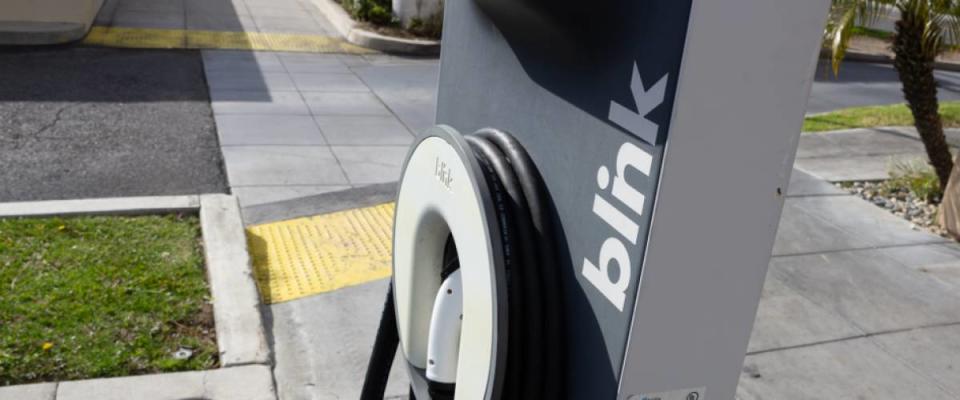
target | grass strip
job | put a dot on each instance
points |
(874, 116)
(92, 297)
(870, 32)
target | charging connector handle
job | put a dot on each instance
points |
(444, 345)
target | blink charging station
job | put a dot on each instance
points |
(593, 216)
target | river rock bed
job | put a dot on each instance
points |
(921, 214)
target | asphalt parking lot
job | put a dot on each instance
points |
(81, 122)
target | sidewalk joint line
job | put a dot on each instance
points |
(280, 145)
(798, 196)
(846, 156)
(393, 113)
(246, 364)
(882, 247)
(290, 184)
(862, 336)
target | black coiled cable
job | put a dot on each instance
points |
(535, 362)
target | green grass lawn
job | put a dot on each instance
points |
(865, 117)
(93, 297)
(881, 35)
(870, 32)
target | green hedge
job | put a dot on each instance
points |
(380, 12)
(377, 12)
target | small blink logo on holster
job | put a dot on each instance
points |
(442, 172)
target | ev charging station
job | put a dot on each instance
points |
(593, 216)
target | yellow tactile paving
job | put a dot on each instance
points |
(146, 38)
(306, 256)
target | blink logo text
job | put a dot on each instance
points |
(622, 212)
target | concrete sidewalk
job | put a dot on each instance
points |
(855, 304)
(275, 16)
(316, 123)
(294, 125)
(863, 154)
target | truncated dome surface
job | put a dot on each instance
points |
(307, 256)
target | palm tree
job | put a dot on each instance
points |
(922, 32)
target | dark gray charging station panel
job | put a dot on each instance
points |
(665, 131)
(552, 86)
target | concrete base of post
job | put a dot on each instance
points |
(39, 22)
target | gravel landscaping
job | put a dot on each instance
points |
(901, 201)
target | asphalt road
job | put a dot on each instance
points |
(84, 122)
(861, 84)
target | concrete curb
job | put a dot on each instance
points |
(30, 29)
(34, 33)
(104, 206)
(35, 391)
(320, 204)
(252, 382)
(885, 59)
(236, 302)
(351, 30)
(245, 356)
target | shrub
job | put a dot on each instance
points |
(431, 27)
(377, 12)
(918, 178)
(380, 13)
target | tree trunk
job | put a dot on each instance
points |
(914, 64)
(949, 215)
